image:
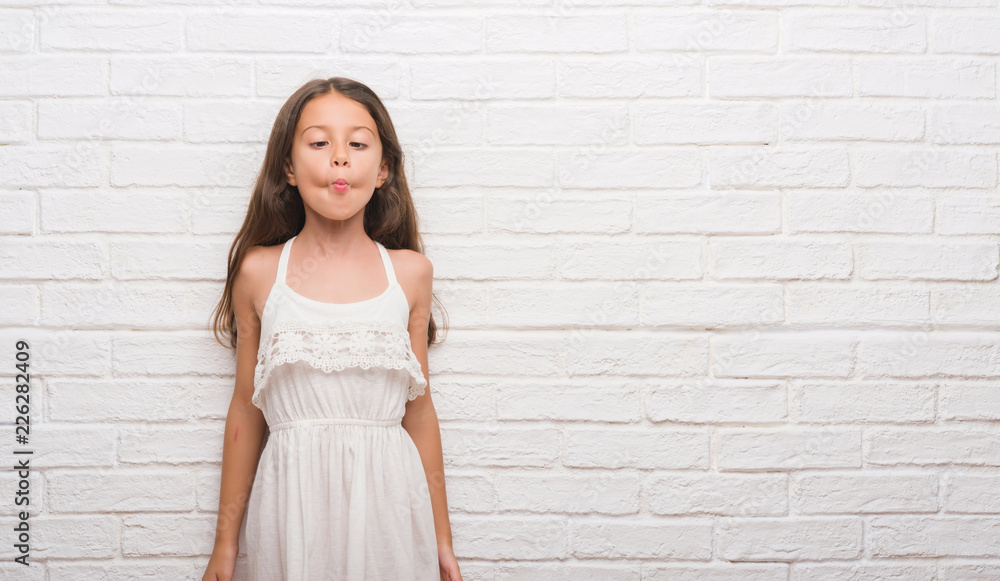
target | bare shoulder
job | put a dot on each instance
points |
(415, 272)
(256, 275)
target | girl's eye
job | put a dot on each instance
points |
(351, 143)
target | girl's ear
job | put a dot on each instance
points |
(289, 174)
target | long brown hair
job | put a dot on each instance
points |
(276, 212)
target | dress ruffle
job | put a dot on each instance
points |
(346, 343)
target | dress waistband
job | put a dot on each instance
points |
(334, 421)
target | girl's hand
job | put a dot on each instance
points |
(448, 564)
(222, 563)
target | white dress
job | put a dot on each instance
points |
(340, 492)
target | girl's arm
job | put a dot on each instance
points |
(420, 419)
(245, 422)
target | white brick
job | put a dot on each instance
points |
(17, 30)
(548, 401)
(779, 258)
(16, 122)
(966, 33)
(727, 212)
(118, 30)
(718, 571)
(964, 214)
(72, 537)
(17, 212)
(618, 168)
(632, 260)
(965, 123)
(774, 539)
(926, 259)
(788, 448)
(984, 570)
(826, 571)
(926, 77)
(173, 535)
(635, 448)
(216, 210)
(120, 490)
(229, 121)
(32, 166)
(970, 401)
(109, 210)
(129, 118)
(114, 304)
(485, 167)
(832, 304)
(866, 402)
(63, 351)
(854, 31)
(127, 569)
(180, 76)
(784, 76)
(284, 31)
(707, 306)
(964, 304)
(697, 30)
(600, 352)
(531, 211)
(184, 165)
(558, 571)
(468, 493)
(918, 353)
(580, 304)
(162, 353)
(588, 492)
(63, 75)
(279, 75)
(881, 210)
(705, 122)
(835, 120)
(153, 443)
(868, 491)
(136, 400)
(498, 260)
(46, 258)
(507, 78)
(513, 537)
(933, 536)
(23, 305)
(965, 492)
(645, 538)
(783, 354)
(534, 125)
(632, 77)
(760, 167)
(716, 401)
(924, 446)
(500, 445)
(92, 445)
(718, 494)
(144, 258)
(931, 168)
(489, 352)
(410, 35)
(564, 34)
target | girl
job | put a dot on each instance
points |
(331, 330)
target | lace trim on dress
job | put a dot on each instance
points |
(349, 343)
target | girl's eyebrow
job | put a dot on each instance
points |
(327, 127)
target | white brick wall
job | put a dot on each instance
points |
(722, 277)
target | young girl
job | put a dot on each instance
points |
(331, 330)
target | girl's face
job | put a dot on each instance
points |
(335, 141)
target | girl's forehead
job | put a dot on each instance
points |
(335, 111)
